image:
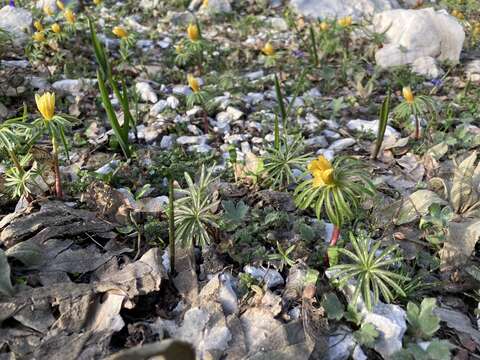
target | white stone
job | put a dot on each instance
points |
(317, 141)
(234, 113)
(427, 66)
(153, 205)
(472, 69)
(201, 148)
(16, 21)
(271, 277)
(149, 4)
(368, 126)
(389, 320)
(214, 6)
(151, 133)
(173, 102)
(73, 86)
(189, 140)
(181, 90)
(255, 75)
(336, 9)
(158, 107)
(341, 144)
(146, 92)
(411, 34)
(167, 142)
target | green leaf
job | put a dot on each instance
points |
(423, 322)
(235, 213)
(366, 335)
(382, 123)
(439, 350)
(6, 287)
(333, 307)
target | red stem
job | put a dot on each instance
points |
(58, 180)
(333, 242)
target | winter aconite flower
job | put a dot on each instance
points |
(324, 26)
(38, 25)
(193, 32)
(408, 94)
(39, 36)
(46, 105)
(56, 28)
(97, 2)
(69, 16)
(458, 14)
(345, 21)
(268, 49)
(322, 171)
(120, 32)
(48, 10)
(205, 3)
(193, 83)
(60, 5)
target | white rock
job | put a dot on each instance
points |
(73, 86)
(182, 90)
(329, 154)
(371, 127)
(38, 82)
(227, 295)
(201, 148)
(317, 141)
(173, 102)
(412, 34)
(166, 142)
(271, 277)
(16, 21)
(149, 4)
(427, 66)
(146, 92)
(189, 140)
(335, 8)
(3, 111)
(341, 144)
(389, 320)
(234, 113)
(153, 205)
(255, 75)
(158, 107)
(278, 23)
(472, 69)
(108, 168)
(341, 345)
(151, 133)
(214, 6)
(23, 64)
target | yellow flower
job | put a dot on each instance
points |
(48, 10)
(60, 5)
(46, 105)
(69, 16)
(268, 49)
(205, 3)
(97, 2)
(193, 83)
(458, 14)
(408, 94)
(56, 28)
(39, 36)
(345, 21)
(38, 25)
(324, 26)
(193, 32)
(120, 32)
(322, 171)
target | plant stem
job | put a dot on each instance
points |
(417, 127)
(56, 169)
(333, 242)
(171, 225)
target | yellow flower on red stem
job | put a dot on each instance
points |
(48, 10)
(38, 25)
(60, 5)
(322, 171)
(193, 32)
(56, 28)
(46, 105)
(193, 83)
(408, 94)
(345, 21)
(324, 26)
(69, 16)
(268, 49)
(38, 36)
(120, 32)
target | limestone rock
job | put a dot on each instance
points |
(340, 8)
(16, 21)
(412, 34)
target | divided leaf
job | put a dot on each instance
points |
(333, 307)
(423, 322)
(366, 335)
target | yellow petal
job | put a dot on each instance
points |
(38, 25)
(193, 32)
(327, 176)
(120, 32)
(60, 5)
(69, 16)
(193, 83)
(268, 49)
(317, 181)
(56, 28)
(408, 94)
